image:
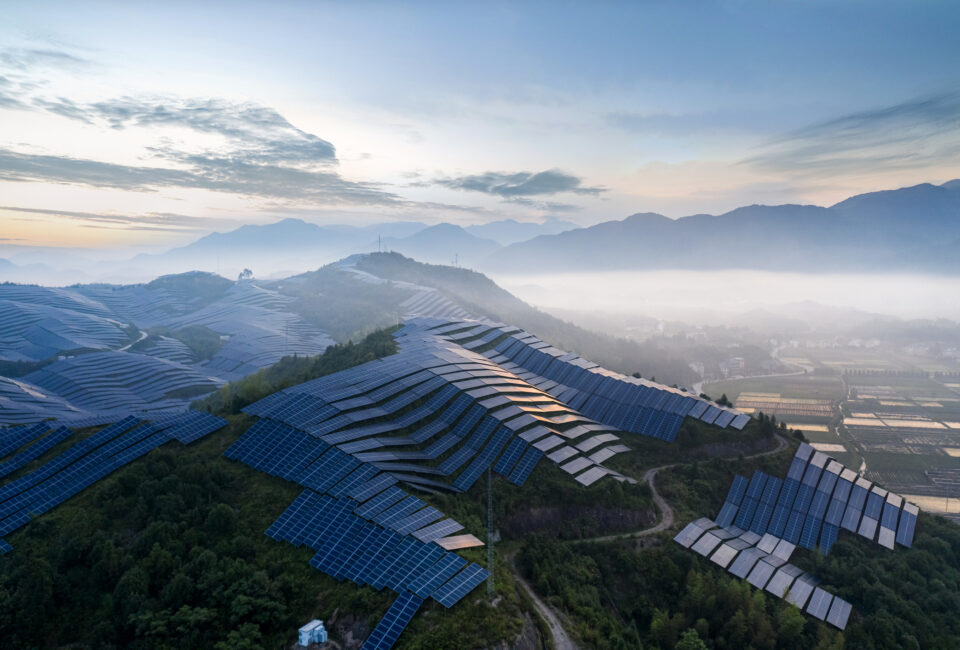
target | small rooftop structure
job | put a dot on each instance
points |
(313, 632)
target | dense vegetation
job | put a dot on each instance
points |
(622, 595)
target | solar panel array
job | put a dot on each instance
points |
(434, 416)
(120, 382)
(818, 498)
(87, 461)
(763, 562)
(435, 410)
(350, 546)
(257, 327)
(627, 403)
(764, 519)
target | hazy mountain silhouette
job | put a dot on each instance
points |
(907, 229)
(444, 244)
(511, 231)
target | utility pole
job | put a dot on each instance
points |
(490, 532)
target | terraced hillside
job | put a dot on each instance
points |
(94, 352)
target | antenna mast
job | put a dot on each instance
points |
(490, 532)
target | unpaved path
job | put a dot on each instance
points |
(561, 640)
(666, 512)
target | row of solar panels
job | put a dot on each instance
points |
(351, 547)
(624, 402)
(762, 561)
(354, 408)
(818, 498)
(87, 461)
(281, 450)
(363, 527)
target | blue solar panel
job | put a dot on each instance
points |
(794, 527)
(395, 513)
(483, 460)
(745, 515)
(393, 622)
(727, 514)
(874, 506)
(372, 487)
(430, 579)
(460, 585)
(828, 536)
(906, 527)
(525, 466)
(811, 532)
(890, 514)
(5, 547)
(380, 502)
(510, 457)
(34, 451)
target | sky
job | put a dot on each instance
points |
(127, 124)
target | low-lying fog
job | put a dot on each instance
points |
(692, 295)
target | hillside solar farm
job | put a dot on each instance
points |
(378, 462)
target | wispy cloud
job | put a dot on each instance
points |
(547, 206)
(164, 221)
(918, 133)
(255, 133)
(520, 184)
(230, 175)
(31, 58)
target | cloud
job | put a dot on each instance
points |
(31, 58)
(230, 175)
(548, 206)
(163, 221)
(914, 134)
(256, 134)
(520, 184)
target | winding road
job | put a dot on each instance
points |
(561, 640)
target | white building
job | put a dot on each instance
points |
(313, 632)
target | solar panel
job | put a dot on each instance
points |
(592, 475)
(5, 547)
(385, 635)
(437, 530)
(800, 591)
(525, 466)
(780, 582)
(745, 562)
(433, 576)
(460, 585)
(839, 613)
(417, 520)
(761, 574)
(692, 532)
(381, 502)
(819, 603)
(907, 525)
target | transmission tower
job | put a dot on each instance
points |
(490, 532)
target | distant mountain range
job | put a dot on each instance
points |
(914, 228)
